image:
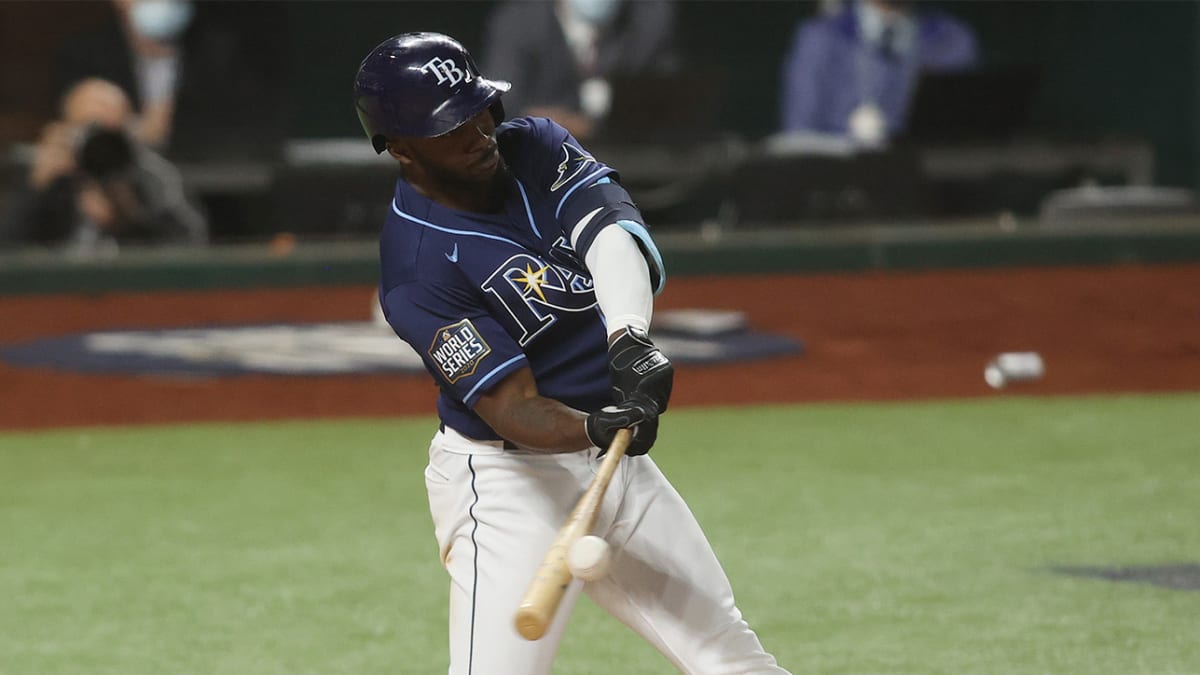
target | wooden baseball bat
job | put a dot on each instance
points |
(545, 592)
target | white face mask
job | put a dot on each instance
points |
(595, 11)
(874, 22)
(161, 20)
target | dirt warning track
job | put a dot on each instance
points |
(879, 336)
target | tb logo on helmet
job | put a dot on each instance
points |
(446, 71)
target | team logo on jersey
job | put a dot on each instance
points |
(535, 292)
(573, 162)
(457, 350)
(447, 71)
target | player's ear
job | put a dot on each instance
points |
(399, 151)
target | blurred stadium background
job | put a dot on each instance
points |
(174, 499)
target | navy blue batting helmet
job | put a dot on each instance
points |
(421, 84)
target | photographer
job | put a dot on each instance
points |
(93, 188)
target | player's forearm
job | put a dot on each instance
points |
(542, 424)
(622, 280)
(515, 410)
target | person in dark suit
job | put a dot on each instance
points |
(560, 55)
(206, 79)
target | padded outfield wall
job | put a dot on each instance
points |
(736, 251)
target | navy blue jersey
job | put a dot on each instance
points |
(480, 296)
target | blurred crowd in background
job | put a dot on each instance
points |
(144, 122)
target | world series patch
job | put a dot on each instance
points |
(457, 350)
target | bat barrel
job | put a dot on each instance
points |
(549, 585)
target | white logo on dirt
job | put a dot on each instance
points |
(312, 349)
(447, 71)
(685, 336)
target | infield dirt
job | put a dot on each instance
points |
(879, 336)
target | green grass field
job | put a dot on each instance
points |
(898, 538)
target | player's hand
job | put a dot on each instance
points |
(639, 369)
(636, 413)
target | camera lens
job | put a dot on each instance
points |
(105, 153)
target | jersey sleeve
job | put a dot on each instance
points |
(465, 350)
(545, 155)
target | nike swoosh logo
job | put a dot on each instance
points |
(453, 255)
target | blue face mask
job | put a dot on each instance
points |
(596, 11)
(161, 20)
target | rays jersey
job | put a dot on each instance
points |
(480, 296)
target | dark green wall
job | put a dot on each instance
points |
(1124, 67)
(330, 38)
(1128, 67)
(341, 263)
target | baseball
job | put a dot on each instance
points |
(994, 376)
(589, 558)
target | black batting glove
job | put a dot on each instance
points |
(639, 414)
(639, 369)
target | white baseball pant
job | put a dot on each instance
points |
(497, 511)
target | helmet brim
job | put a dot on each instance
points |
(458, 109)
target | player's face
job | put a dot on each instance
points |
(468, 155)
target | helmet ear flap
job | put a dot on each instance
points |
(379, 143)
(497, 111)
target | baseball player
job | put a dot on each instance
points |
(518, 268)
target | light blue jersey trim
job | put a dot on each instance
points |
(578, 185)
(528, 211)
(640, 233)
(484, 380)
(439, 228)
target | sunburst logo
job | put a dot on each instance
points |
(533, 281)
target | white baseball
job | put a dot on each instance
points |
(589, 558)
(994, 376)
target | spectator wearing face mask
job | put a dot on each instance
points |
(560, 55)
(140, 52)
(204, 78)
(852, 72)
